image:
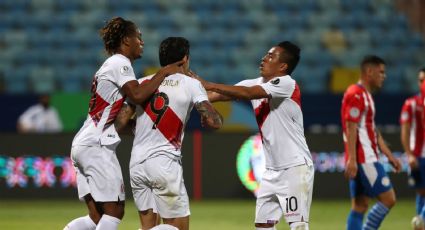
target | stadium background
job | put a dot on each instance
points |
(53, 46)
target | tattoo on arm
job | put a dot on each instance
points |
(124, 116)
(210, 116)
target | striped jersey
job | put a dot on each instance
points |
(280, 121)
(412, 112)
(358, 107)
(161, 120)
(105, 102)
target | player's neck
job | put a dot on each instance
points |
(365, 85)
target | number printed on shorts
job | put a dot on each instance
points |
(291, 204)
(159, 104)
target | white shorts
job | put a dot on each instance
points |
(98, 173)
(285, 192)
(158, 184)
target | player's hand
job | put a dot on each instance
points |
(176, 67)
(413, 162)
(350, 169)
(396, 163)
(192, 74)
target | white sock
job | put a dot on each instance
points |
(299, 226)
(164, 227)
(108, 223)
(82, 223)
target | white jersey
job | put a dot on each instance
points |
(161, 121)
(40, 119)
(105, 103)
(280, 121)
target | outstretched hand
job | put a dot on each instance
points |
(204, 83)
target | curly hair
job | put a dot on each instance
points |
(114, 32)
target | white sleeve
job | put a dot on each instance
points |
(198, 91)
(279, 87)
(123, 72)
(246, 83)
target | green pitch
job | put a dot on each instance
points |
(206, 215)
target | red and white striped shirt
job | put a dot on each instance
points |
(280, 121)
(105, 103)
(161, 120)
(358, 107)
(412, 112)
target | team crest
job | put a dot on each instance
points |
(125, 70)
(275, 81)
(354, 112)
(385, 181)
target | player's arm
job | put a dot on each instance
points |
(351, 135)
(237, 92)
(214, 97)
(387, 152)
(210, 117)
(139, 93)
(405, 141)
(125, 118)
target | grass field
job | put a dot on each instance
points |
(206, 215)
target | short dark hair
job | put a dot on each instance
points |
(173, 49)
(114, 32)
(290, 56)
(422, 69)
(371, 60)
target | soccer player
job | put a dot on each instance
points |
(412, 139)
(362, 145)
(99, 176)
(287, 183)
(156, 171)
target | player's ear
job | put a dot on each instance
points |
(126, 40)
(283, 67)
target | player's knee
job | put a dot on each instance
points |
(114, 209)
(268, 226)
(390, 202)
(360, 207)
(299, 226)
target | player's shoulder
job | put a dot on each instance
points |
(413, 99)
(251, 81)
(283, 80)
(118, 61)
(354, 89)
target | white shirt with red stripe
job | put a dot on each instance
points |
(280, 121)
(161, 121)
(358, 107)
(412, 112)
(105, 103)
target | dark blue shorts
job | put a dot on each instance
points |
(417, 176)
(371, 180)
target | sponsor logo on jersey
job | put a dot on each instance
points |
(275, 81)
(354, 112)
(125, 70)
